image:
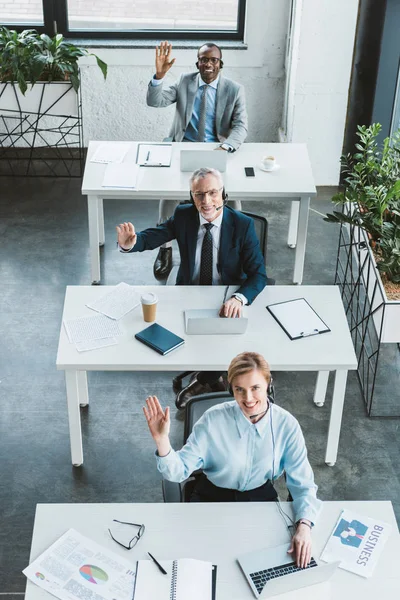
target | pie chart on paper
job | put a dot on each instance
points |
(93, 574)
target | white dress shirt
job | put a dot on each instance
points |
(237, 454)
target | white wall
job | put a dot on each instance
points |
(322, 82)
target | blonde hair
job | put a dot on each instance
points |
(248, 361)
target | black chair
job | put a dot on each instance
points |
(261, 227)
(196, 407)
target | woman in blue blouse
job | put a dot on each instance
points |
(242, 446)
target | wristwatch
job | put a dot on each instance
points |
(227, 147)
(238, 298)
(303, 522)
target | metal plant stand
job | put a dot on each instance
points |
(367, 310)
(41, 134)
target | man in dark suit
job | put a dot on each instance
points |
(209, 108)
(218, 246)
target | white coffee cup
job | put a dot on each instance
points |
(268, 162)
(149, 306)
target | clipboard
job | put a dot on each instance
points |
(297, 318)
(162, 154)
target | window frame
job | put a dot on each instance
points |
(55, 17)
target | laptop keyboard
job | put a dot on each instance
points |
(260, 578)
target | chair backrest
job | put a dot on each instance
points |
(198, 405)
(261, 227)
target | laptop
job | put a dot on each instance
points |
(208, 322)
(195, 159)
(271, 571)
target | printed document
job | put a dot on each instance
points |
(95, 344)
(116, 303)
(84, 329)
(111, 152)
(76, 568)
(121, 175)
(357, 542)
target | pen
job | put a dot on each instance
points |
(148, 156)
(158, 564)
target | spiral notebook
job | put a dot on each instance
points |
(186, 579)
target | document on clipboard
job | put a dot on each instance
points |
(297, 318)
(154, 155)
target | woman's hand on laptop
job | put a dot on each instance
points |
(301, 545)
(231, 309)
(126, 236)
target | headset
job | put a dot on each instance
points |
(209, 45)
(224, 198)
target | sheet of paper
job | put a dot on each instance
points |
(94, 344)
(121, 175)
(111, 152)
(157, 155)
(117, 302)
(76, 568)
(84, 329)
(298, 318)
(356, 541)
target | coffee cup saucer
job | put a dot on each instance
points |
(274, 168)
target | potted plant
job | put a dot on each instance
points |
(40, 103)
(370, 204)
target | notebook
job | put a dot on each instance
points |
(297, 318)
(186, 579)
(160, 339)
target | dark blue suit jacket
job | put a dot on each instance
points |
(240, 261)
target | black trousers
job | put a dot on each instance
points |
(209, 377)
(205, 491)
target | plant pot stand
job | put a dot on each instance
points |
(41, 133)
(374, 323)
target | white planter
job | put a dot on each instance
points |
(386, 313)
(42, 117)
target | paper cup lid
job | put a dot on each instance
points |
(149, 298)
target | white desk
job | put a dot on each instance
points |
(293, 181)
(322, 353)
(219, 533)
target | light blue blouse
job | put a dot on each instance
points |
(237, 454)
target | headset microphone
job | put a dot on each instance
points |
(258, 414)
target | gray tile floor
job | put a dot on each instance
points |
(43, 248)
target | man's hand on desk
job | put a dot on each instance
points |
(231, 309)
(159, 424)
(163, 59)
(126, 236)
(301, 545)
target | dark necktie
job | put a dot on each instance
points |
(201, 132)
(206, 264)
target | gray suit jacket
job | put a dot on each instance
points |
(230, 117)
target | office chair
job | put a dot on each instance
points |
(196, 407)
(261, 227)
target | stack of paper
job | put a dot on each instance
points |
(121, 175)
(88, 333)
(118, 302)
(111, 152)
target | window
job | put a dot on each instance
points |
(139, 19)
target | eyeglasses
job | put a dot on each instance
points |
(134, 540)
(213, 60)
(212, 193)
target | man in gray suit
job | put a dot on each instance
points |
(209, 108)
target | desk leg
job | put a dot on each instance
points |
(293, 224)
(83, 393)
(301, 240)
(320, 388)
(74, 417)
(93, 215)
(101, 222)
(335, 420)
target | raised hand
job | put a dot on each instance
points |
(126, 235)
(163, 59)
(157, 420)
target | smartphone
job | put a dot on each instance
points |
(249, 171)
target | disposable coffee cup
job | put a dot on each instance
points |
(268, 162)
(149, 306)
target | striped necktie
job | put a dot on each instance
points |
(206, 264)
(201, 131)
